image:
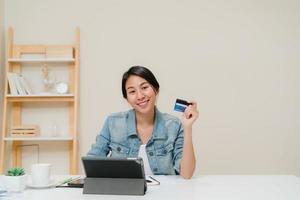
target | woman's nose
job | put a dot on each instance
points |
(140, 94)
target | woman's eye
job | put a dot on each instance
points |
(145, 87)
(131, 92)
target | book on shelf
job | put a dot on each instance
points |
(25, 85)
(17, 81)
(18, 84)
(12, 85)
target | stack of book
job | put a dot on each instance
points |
(17, 84)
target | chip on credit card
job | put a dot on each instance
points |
(180, 105)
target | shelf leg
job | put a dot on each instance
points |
(17, 154)
(73, 157)
(2, 156)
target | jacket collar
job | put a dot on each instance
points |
(131, 125)
(159, 130)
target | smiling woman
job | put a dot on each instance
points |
(163, 141)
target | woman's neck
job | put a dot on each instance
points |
(147, 119)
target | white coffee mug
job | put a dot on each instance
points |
(40, 174)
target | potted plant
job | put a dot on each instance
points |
(15, 179)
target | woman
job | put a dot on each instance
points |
(163, 141)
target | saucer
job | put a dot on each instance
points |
(52, 183)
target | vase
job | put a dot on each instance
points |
(15, 183)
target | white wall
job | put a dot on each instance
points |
(238, 59)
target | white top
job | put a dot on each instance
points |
(143, 155)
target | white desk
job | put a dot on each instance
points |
(231, 187)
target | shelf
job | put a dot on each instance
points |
(40, 138)
(26, 59)
(40, 60)
(40, 98)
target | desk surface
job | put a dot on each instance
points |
(239, 187)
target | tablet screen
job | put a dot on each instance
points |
(113, 167)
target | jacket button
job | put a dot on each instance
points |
(119, 149)
(155, 169)
(151, 153)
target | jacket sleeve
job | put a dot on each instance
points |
(101, 147)
(178, 148)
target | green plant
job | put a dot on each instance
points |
(15, 171)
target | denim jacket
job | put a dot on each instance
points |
(119, 138)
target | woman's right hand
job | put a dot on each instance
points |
(190, 115)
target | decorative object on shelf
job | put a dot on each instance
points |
(15, 179)
(54, 130)
(61, 88)
(24, 131)
(48, 79)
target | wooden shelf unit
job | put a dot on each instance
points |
(12, 104)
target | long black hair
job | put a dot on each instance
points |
(142, 72)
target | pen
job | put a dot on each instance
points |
(154, 180)
(68, 181)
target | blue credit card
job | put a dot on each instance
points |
(180, 105)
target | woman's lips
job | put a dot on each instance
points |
(143, 104)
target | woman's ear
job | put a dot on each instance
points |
(157, 94)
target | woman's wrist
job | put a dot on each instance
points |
(187, 129)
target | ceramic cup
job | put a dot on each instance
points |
(40, 174)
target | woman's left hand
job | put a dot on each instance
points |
(190, 115)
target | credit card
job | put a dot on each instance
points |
(180, 105)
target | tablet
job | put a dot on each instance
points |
(99, 167)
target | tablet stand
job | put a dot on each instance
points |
(115, 186)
